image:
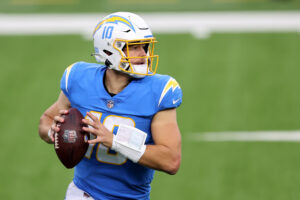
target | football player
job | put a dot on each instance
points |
(129, 109)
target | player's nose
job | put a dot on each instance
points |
(142, 51)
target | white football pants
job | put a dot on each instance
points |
(74, 193)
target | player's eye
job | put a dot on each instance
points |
(134, 47)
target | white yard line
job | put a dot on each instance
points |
(201, 25)
(252, 136)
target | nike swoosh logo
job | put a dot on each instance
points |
(175, 101)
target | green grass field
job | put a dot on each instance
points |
(54, 6)
(230, 82)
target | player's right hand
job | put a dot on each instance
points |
(58, 119)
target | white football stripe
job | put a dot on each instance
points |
(252, 136)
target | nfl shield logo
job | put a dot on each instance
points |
(110, 104)
(69, 136)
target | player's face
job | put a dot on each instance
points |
(137, 51)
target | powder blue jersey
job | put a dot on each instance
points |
(103, 173)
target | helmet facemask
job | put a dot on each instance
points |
(128, 63)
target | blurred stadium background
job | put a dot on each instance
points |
(231, 81)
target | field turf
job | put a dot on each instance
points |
(230, 82)
(108, 6)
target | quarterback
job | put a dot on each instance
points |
(129, 109)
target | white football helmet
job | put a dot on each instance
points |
(113, 36)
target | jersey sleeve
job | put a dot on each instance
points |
(67, 79)
(170, 96)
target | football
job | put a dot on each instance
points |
(70, 143)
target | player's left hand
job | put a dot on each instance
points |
(103, 135)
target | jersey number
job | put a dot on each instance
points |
(104, 154)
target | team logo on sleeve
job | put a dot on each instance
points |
(170, 85)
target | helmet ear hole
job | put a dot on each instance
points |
(107, 63)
